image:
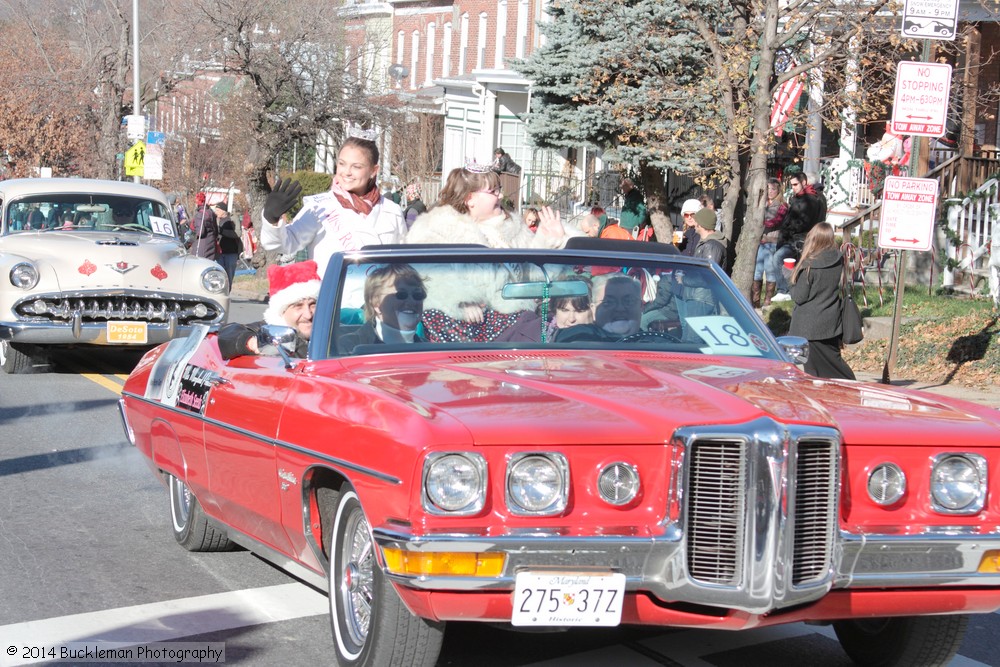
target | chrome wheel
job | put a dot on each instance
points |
(354, 563)
(180, 504)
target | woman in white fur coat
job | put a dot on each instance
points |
(468, 211)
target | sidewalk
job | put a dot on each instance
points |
(983, 397)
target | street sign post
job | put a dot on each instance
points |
(908, 209)
(930, 19)
(153, 167)
(921, 103)
(135, 159)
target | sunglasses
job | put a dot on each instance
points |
(403, 295)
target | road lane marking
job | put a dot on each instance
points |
(98, 378)
(168, 620)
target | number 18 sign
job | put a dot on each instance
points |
(908, 208)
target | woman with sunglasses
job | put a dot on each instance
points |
(394, 305)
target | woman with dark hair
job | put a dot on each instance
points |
(351, 215)
(815, 288)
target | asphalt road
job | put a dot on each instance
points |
(87, 555)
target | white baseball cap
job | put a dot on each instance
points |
(691, 206)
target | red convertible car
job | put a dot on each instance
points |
(580, 437)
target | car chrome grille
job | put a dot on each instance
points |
(717, 488)
(815, 510)
(119, 307)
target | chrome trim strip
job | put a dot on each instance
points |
(347, 465)
(654, 564)
(293, 567)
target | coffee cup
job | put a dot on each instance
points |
(678, 237)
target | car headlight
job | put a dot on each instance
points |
(454, 483)
(886, 484)
(24, 275)
(537, 484)
(214, 280)
(958, 483)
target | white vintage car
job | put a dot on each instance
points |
(96, 263)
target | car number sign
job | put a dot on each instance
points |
(921, 102)
(931, 19)
(908, 207)
(568, 599)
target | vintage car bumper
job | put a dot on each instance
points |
(71, 318)
(89, 334)
(658, 566)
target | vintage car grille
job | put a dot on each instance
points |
(118, 307)
(717, 510)
(815, 510)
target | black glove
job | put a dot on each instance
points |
(281, 199)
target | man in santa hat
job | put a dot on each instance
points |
(292, 303)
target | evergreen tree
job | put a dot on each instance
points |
(688, 84)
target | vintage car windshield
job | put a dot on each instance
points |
(82, 212)
(672, 303)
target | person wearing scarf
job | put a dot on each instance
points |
(351, 215)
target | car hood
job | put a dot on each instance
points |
(100, 260)
(622, 398)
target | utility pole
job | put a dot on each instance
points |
(136, 101)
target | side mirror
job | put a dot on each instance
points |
(282, 338)
(796, 348)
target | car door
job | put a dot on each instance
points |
(241, 418)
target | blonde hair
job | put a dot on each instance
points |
(819, 238)
(461, 183)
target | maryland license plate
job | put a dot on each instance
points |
(127, 332)
(568, 599)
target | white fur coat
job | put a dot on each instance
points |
(448, 287)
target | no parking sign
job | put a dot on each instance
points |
(908, 209)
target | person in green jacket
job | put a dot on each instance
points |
(634, 211)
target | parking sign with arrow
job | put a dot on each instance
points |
(921, 103)
(908, 209)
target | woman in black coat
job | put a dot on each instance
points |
(817, 314)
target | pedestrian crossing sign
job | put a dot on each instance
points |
(135, 159)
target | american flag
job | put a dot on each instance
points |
(785, 97)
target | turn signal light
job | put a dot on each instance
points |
(990, 563)
(444, 563)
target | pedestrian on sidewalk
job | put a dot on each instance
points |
(815, 288)
(767, 267)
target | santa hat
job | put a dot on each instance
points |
(290, 284)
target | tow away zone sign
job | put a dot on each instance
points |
(921, 103)
(908, 208)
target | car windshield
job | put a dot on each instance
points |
(81, 212)
(546, 301)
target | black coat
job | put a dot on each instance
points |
(816, 293)
(803, 213)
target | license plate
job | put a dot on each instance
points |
(127, 332)
(568, 598)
